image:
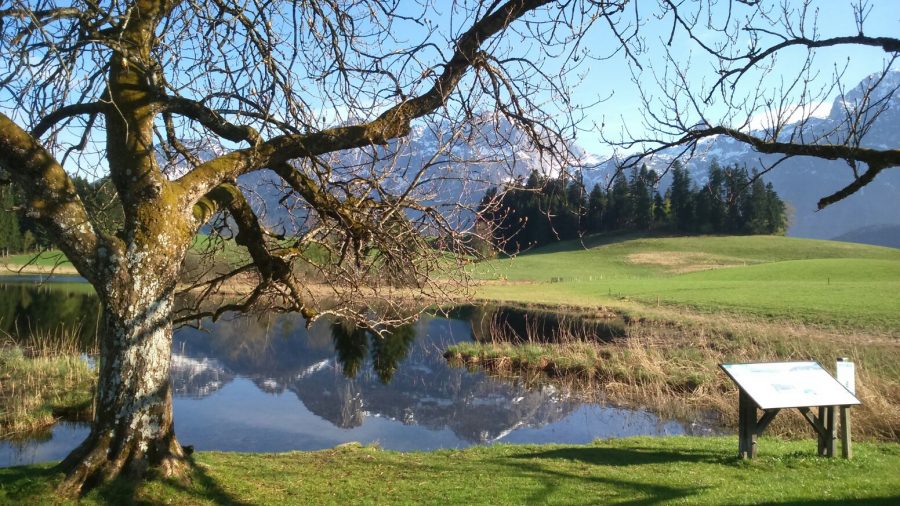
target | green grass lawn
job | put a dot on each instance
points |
(695, 470)
(825, 282)
(49, 258)
(223, 250)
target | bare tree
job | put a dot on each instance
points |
(750, 83)
(174, 101)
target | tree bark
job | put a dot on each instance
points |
(132, 431)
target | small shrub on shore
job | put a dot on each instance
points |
(41, 383)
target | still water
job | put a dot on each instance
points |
(270, 385)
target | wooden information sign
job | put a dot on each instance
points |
(774, 386)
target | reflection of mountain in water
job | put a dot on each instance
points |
(197, 377)
(404, 377)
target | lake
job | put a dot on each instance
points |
(271, 384)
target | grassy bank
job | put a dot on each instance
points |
(40, 384)
(823, 283)
(672, 365)
(625, 471)
(695, 302)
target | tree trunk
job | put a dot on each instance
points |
(132, 431)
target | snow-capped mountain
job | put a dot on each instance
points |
(459, 166)
(493, 151)
(802, 181)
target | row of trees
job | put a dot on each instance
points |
(20, 233)
(547, 209)
(15, 236)
(732, 201)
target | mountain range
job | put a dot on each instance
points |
(802, 181)
(493, 152)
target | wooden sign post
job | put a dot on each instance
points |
(774, 386)
(846, 375)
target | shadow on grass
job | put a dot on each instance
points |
(631, 456)
(876, 501)
(608, 489)
(20, 484)
(35, 484)
(590, 241)
(641, 491)
(202, 487)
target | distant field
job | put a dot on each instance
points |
(225, 250)
(48, 258)
(824, 282)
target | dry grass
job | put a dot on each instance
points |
(42, 383)
(681, 262)
(672, 367)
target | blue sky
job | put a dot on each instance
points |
(835, 18)
(611, 79)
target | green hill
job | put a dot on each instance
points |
(812, 281)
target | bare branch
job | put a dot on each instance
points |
(211, 120)
(52, 198)
(888, 44)
(395, 122)
(62, 113)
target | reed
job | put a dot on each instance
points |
(43, 381)
(673, 367)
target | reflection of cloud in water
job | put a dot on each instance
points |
(197, 377)
(279, 354)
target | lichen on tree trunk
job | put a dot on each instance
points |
(132, 431)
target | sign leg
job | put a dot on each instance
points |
(846, 448)
(821, 417)
(742, 426)
(746, 426)
(830, 431)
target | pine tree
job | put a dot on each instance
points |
(660, 210)
(596, 208)
(758, 208)
(640, 198)
(682, 199)
(619, 211)
(777, 212)
(735, 193)
(10, 231)
(575, 206)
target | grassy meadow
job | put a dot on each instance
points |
(622, 471)
(824, 283)
(692, 303)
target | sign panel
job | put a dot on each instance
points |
(846, 375)
(789, 385)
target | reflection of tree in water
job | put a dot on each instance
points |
(358, 351)
(28, 310)
(342, 373)
(353, 344)
(338, 371)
